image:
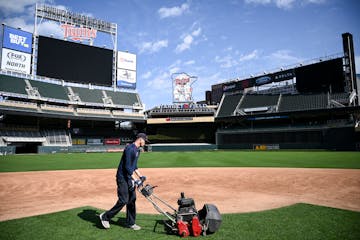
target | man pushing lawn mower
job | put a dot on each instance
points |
(126, 179)
(184, 221)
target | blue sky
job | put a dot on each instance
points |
(215, 40)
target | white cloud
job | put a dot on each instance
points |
(284, 57)
(16, 6)
(196, 32)
(174, 11)
(226, 61)
(152, 47)
(253, 55)
(190, 62)
(49, 27)
(175, 64)
(174, 70)
(230, 61)
(161, 82)
(20, 14)
(315, 1)
(188, 40)
(19, 22)
(284, 4)
(263, 2)
(146, 75)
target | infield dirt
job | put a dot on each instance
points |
(232, 190)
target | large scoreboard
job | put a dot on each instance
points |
(326, 76)
(74, 62)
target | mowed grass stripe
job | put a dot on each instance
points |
(292, 159)
(300, 221)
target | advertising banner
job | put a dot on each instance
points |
(126, 70)
(126, 61)
(16, 39)
(283, 75)
(112, 141)
(126, 78)
(15, 61)
(263, 80)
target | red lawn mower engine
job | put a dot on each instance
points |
(191, 222)
(185, 220)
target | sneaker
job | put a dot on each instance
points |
(105, 224)
(135, 227)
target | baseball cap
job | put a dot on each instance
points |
(143, 136)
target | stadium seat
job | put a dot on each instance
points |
(89, 95)
(124, 98)
(228, 105)
(303, 102)
(253, 101)
(12, 84)
(50, 90)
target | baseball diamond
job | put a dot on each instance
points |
(234, 119)
(233, 190)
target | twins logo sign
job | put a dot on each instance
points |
(182, 87)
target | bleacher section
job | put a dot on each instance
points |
(56, 92)
(254, 101)
(303, 102)
(124, 98)
(257, 103)
(14, 136)
(228, 105)
(50, 90)
(56, 138)
(342, 98)
(10, 84)
(58, 97)
(89, 95)
(44, 137)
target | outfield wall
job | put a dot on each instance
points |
(79, 149)
(176, 147)
(6, 150)
(340, 138)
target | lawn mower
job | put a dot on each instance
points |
(185, 220)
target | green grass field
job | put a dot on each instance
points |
(295, 159)
(300, 221)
